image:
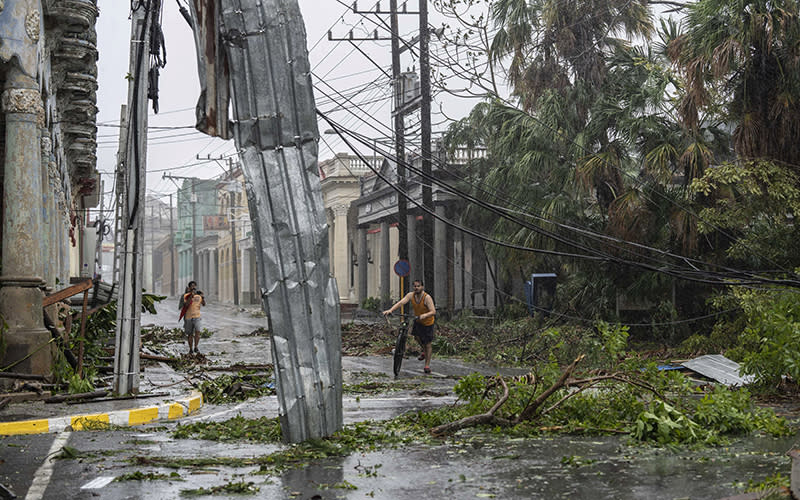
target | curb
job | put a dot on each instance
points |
(100, 421)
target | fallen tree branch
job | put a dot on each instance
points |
(568, 396)
(23, 376)
(529, 410)
(154, 357)
(556, 428)
(619, 377)
(74, 397)
(484, 418)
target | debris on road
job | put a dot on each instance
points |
(719, 368)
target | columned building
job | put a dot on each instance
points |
(340, 178)
(48, 143)
(236, 257)
(464, 277)
(197, 199)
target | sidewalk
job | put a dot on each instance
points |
(163, 395)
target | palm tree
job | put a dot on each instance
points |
(745, 53)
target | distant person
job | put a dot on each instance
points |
(192, 286)
(194, 300)
(424, 317)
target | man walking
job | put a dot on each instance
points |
(193, 300)
(424, 317)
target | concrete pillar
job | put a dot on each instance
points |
(247, 282)
(459, 274)
(362, 265)
(440, 259)
(47, 213)
(213, 276)
(28, 349)
(413, 254)
(384, 264)
(468, 273)
(340, 259)
(491, 273)
(330, 220)
(203, 281)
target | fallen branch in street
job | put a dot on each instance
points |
(557, 428)
(153, 357)
(530, 410)
(473, 420)
(80, 396)
(239, 367)
(24, 376)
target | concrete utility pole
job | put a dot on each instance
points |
(126, 354)
(234, 251)
(425, 124)
(401, 109)
(171, 250)
(399, 145)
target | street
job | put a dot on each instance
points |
(146, 460)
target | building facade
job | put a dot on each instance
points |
(48, 142)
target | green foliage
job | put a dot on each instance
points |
(470, 388)
(722, 412)
(664, 424)
(149, 302)
(732, 412)
(226, 387)
(234, 488)
(754, 200)
(238, 428)
(615, 338)
(371, 304)
(148, 476)
(770, 482)
(78, 384)
(771, 336)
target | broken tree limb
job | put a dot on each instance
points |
(530, 410)
(23, 376)
(73, 397)
(473, 420)
(557, 428)
(153, 357)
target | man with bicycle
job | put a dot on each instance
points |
(424, 313)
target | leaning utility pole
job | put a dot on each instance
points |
(126, 353)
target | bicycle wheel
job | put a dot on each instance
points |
(399, 350)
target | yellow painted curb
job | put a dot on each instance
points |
(101, 421)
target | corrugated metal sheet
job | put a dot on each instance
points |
(718, 367)
(212, 65)
(276, 134)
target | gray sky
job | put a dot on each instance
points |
(336, 64)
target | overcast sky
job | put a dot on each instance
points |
(336, 64)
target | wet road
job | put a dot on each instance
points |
(471, 467)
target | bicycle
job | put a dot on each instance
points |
(400, 344)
